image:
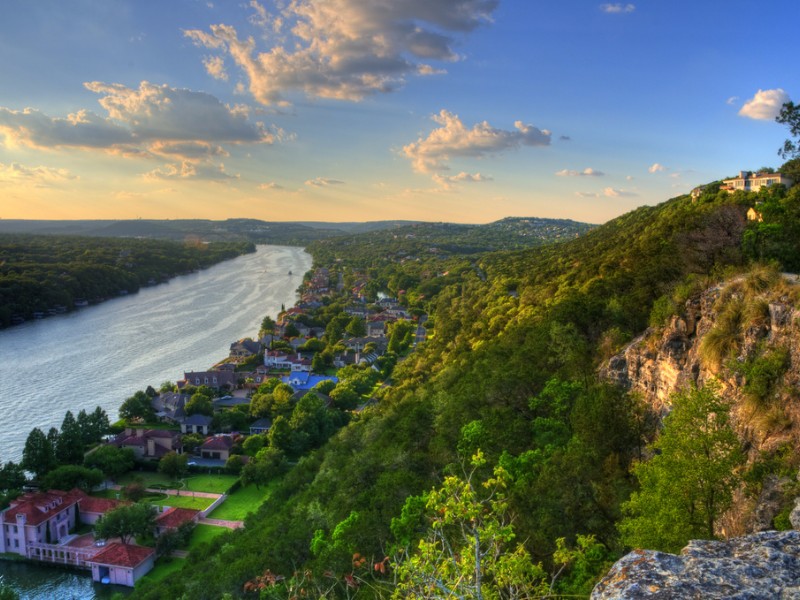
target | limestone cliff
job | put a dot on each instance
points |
(763, 566)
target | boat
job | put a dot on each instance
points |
(290, 273)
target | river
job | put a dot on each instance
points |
(101, 355)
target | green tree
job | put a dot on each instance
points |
(790, 116)
(38, 455)
(268, 325)
(689, 482)
(8, 593)
(268, 464)
(199, 404)
(137, 408)
(191, 441)
(67, 477)
(12, 477)
(469, 550)
(112, 461)
(69, 448)
(356, 327)
(173, 465)
(126, 522)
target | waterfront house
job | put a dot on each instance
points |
(244, 349)
(303, 381)
(217, 378)
(170, 406)
(121, 564)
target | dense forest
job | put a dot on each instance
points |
(499, 423)
(45, 275)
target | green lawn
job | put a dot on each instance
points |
(184, 502)
(216, 484)
(204, 533)
(243, 501)
(164, 567)
(148, 478)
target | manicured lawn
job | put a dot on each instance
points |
(164, 567)
(148, 478)
(243, 501)
(216, 484)
(184, 502)
(204, 533)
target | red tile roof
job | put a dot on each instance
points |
(91, 504)
(39, 507)
(218, 442)
(123, 555)
(175, 517)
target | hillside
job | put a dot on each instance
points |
(510, 368)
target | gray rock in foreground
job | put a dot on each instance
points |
(765, 566)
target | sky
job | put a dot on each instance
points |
(360, 110)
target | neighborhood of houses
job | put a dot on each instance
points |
(40, 525)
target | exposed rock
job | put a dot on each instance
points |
(761, 566)
(770, 502)
(794, 516)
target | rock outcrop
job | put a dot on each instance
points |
(761, 566)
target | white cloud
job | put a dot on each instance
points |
(190, 170)
(270, 186)
(617, 8)
(215, 66)
(611, 192)
(323, 182)
(587, 172)
(765, 105)
(463, 177)
(629, 178)
(732, 100)
(655, 168)
(39, 176)
(345, 49)
(84, 129)
(453, 139)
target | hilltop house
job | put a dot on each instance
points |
(303, 381)
(244, 349)
(753, 182)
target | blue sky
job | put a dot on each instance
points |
(355, 110)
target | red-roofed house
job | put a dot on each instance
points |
(122, 564)
(149, 443)
(92, 508)
(174, 517)
(217, 447)
(38, 518)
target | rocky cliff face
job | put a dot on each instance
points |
(663, 361)
(761, 566)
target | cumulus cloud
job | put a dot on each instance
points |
(655, 168)
(323, 182)
(449, 182)
(611, 192)
(765, 105)
(215, 66)
(617, 8)
(453, 139)
(587, 172)
(270, 186)
(38, 176)
(344, 49)
(188, 128)
(732, 100)
(189, 170)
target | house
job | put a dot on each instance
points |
(170, 406)
(174, 517)
(326, 400)
(244, 349)
(196, 424)
(376, 329)
(149, 443)
(260, 426)
(304, 381)
(91, 508)
(121, 564)
(754, 215)
(217, 447)
(217, 378)
(227, 402)
(697, 192)
(749, 182)
(38, 517)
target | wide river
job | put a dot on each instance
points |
(102, 354)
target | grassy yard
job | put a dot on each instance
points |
(164, 568)
(148, 478)
(184, 502)
(243, 501)
(204, 533)
(216, 484)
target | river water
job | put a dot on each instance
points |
(101, 355)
